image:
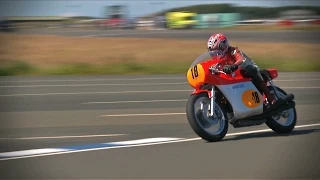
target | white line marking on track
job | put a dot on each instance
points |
(127, 92)
(63, 137)
(152, 114)
(45, 151)
(298, 76)
(90, 85)
(125, 84)
(91, 80)
(33, 152)
(119, 102)
(82, 93)
(137, 79)
(294, 80)
(167, 141)
(314, 87)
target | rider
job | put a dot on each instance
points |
(235, 58)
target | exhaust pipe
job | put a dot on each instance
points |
(288, 98)
(258, 119)
(284, 102)
(274, 111)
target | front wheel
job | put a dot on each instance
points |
(208, 128)
(285, 121)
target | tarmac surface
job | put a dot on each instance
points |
(196, 34)
(103, 127)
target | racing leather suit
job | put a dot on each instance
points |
(237, 57)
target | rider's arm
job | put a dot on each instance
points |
(237, 55)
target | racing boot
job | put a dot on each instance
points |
(272, 100)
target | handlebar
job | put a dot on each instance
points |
(213, 70)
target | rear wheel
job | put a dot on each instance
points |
(285, 121)
(208, 128)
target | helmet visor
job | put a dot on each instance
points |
(217, 53)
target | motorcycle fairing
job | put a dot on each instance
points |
(242, 94)
(244, 97)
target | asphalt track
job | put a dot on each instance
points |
(199, 34)
(83, 112)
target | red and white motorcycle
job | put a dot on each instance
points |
(220, 99)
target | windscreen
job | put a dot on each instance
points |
(207, 56)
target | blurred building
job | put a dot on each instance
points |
(160, 22)
(299, 17)
(6, 26)
(217, 20)
(299, 14)
(145, 23)
(36, 21)
(116, 16)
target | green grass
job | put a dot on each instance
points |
(16, 68)
(112, 69)
(22, 68)
(290, 66)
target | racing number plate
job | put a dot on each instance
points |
(251, 99)
(196, 75)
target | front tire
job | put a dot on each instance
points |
(204, 125)
(289, 116)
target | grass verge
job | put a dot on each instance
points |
(22, 68)
(56, 55)
(16, 68)
(268, 27)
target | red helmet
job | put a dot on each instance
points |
(218, 42)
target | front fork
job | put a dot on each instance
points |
(212, 99)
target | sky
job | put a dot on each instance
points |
(137, 8)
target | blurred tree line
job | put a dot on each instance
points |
(247, 12)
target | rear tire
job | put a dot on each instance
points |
(201, 124)
(273, 121)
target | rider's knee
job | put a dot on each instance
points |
(251, 69)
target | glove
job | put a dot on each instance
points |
(234, 67)
(230, 68)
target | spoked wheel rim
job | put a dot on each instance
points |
(286, 117)
(212, 125)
